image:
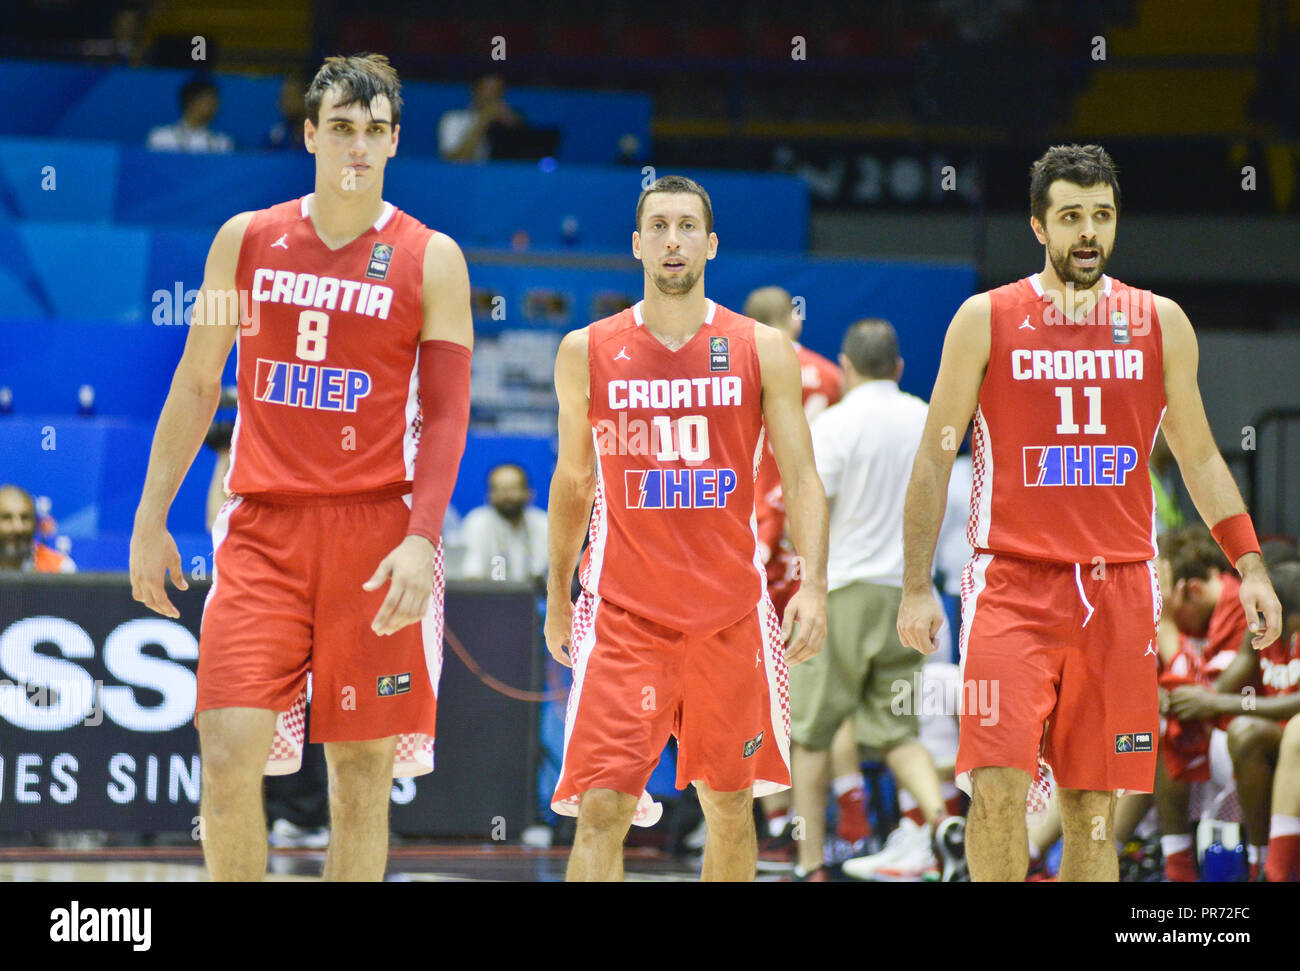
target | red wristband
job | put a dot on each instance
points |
(444, 371)
(1236, 537)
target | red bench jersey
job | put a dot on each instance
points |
(678, 436)
(1067, 417)
(328, 399)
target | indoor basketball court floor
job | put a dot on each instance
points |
(434, 863)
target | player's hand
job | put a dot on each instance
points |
(1192, 703)
(559, 623)
(803, 628)
(409, 570)
(919, 619)
(153, 556)
(1263, 611)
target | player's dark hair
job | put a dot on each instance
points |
(1083, 165)
(1192, 552)
(871, 345)
(677, 183)
(361, 78)
(194, 87)
(1285, 578)
(508, 465)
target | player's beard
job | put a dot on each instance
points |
(1067, 272)
(675, 286)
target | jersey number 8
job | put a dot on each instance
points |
(312, 328)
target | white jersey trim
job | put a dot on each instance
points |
(384, 217)
(709, 309)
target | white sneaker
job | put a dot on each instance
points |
(285, 834)
(906, 841)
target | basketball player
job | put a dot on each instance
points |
(1068, 373)
(354, 368)
(662, 415)
(823, 385)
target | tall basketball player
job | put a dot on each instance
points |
(354, 365)
(1068, 373)
(662, 416)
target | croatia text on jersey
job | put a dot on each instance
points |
(322, 292)
(1078, 465)
(679, 488)
(310, 386)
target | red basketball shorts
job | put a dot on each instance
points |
(1060, 659)
(286, 601)
(724, 696)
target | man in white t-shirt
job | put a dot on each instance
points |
(506, 539)
(463, 134)
(864, 448)
(199, 104)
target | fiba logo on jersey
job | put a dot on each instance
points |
(1119, 328)
(719, 355)
(380, 257)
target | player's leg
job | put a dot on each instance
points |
(1086, 821)
(234, 744)
(604, 817)
(622, 708)
(824, 690)
(733, 736)
(1177, 829)
(997, 837)
(848, 786)
(361, 782)
(1283, 862)
(1130, 810)
(1253, 744)
(1013, 655)
(732, 848)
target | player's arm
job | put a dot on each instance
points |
(952, 403)
(573, 488)
(186, 414)
(443, 366)
(1231, 695)
(801, 489)
(1206, 475)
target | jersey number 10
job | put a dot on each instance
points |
(1067, 425)
(687, 438)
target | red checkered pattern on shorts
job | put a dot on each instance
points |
(773, 626)
(979, 448)
(286, 746)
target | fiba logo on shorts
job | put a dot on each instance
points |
(754, 743)
(1133, 742)
(719, 355)
(394, 684)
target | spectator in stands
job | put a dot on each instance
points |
(19, 548)
(199, 104)
(465, 134)
(288, 131)
(506, 539)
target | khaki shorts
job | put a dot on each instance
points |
(857, 673)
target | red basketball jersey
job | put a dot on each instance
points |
(1279, 666)
(678, 436)
(1067, 417)
(823, 386)
(328, 399)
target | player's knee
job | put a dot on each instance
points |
(999, 792)
(1247, 734)
(729, 814)
(605, 810)
(1087, 817)
(1288, 750)
(230, 765)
